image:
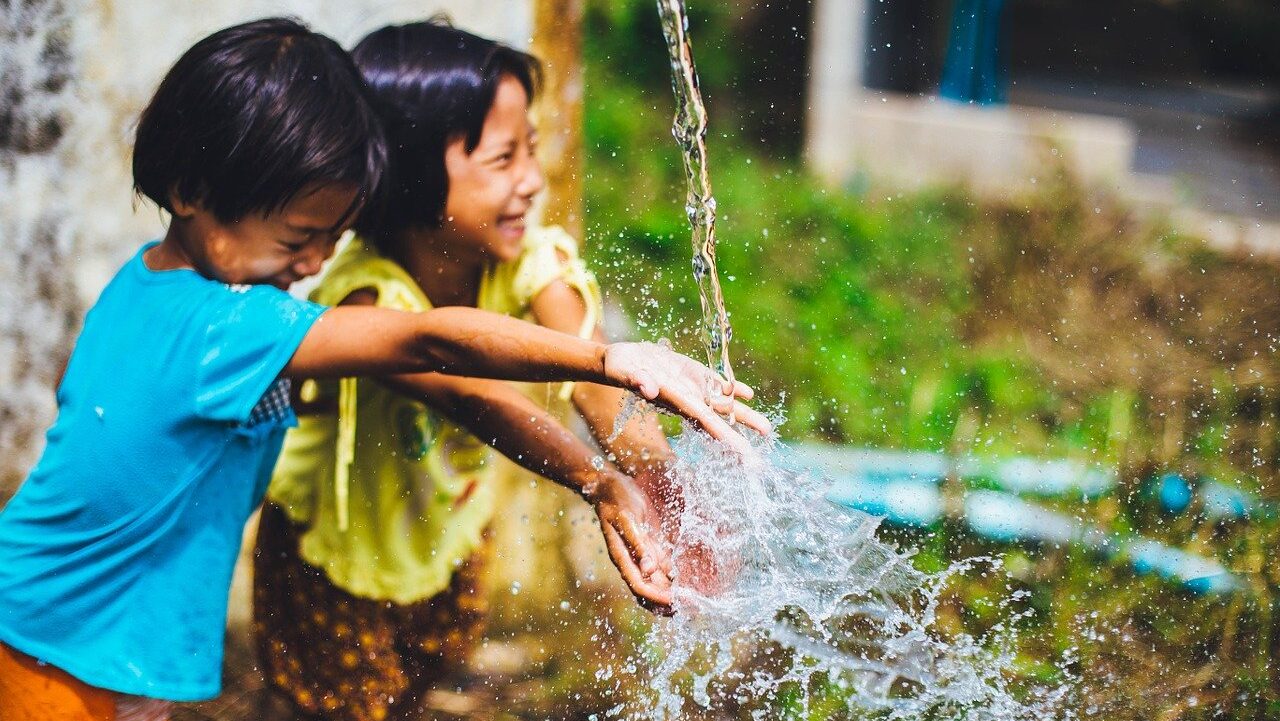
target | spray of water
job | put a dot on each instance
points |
(783, 598)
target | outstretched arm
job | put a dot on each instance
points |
(501, 416)
(357, 340)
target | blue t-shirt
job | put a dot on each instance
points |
(116, 553)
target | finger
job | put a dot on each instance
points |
(742, 390)
(720, 403)
(640, 546)
(646, 385)
(662, 552)
(719, 429)
(752, 419)
(698, 410)
(646, 591)
(668, 564)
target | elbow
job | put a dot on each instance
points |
(427, 351)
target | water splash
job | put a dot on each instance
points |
(784, 598)
(690, 129)
(633, 406)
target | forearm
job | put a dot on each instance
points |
(501, 416)
(477, 343)
(640, 446)
(356, 340)
(360, 341)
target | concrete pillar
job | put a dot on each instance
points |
(836, 67)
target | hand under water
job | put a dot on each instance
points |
(684, 386)
(697, 567)
(631, 527)
(640, 525)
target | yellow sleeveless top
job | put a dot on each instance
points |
(392, 497)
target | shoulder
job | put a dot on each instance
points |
(550, 254)
(183, 293)
(549, 241)
(264, 305)
(359, 266)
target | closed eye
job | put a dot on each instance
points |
(504, 154)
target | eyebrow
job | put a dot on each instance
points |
(306, 229)
(507, 145)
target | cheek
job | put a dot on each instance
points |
(460, 203)
(472, 210)
(492, 191)
(273, 264)
(257, 264)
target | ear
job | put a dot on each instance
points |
(182, 208)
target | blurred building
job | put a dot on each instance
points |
(1173, 103)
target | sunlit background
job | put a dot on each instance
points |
(1010, 272)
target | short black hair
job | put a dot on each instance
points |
(432, 83)
(254, 114)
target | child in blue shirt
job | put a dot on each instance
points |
(116, 553)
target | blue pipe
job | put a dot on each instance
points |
(1005, 517)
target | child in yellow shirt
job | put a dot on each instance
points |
(371, 544)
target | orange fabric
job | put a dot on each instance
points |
(30, 691)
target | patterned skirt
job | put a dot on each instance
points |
(346, 658)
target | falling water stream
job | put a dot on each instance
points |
(690, 131)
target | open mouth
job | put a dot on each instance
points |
(512, 224)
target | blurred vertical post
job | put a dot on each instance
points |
(557, 42)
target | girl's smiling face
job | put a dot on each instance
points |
(491, 188)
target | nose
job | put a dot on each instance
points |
(309, 261)
(531, 180)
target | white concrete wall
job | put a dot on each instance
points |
(913, 142)
(909, 141)
(128, 45)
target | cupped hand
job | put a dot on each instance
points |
(685, 386)
(630, 524)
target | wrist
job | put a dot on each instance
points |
(601, 362)
(600, 484)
